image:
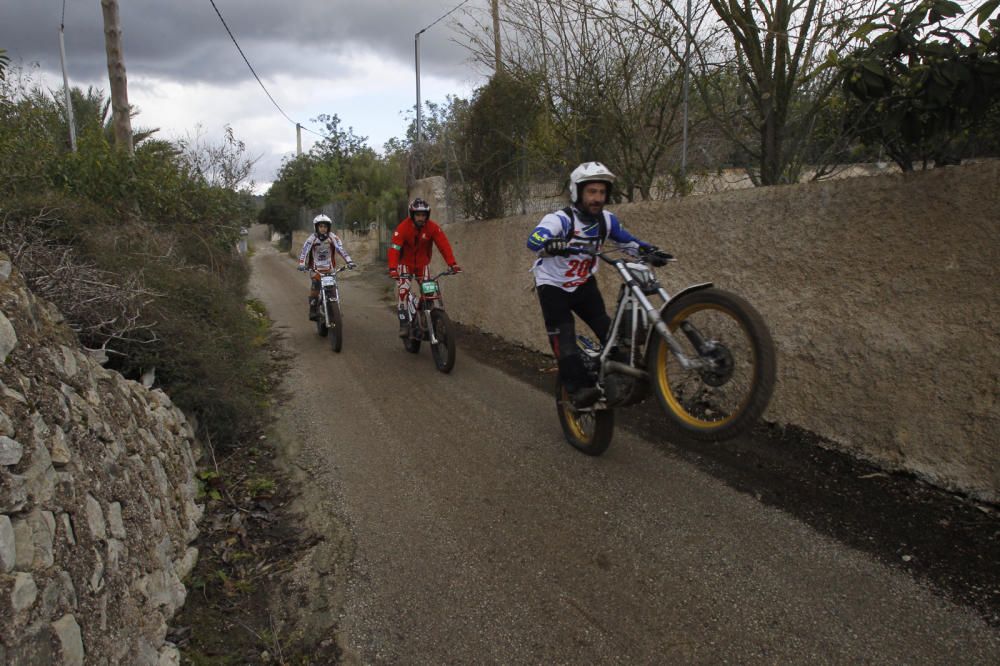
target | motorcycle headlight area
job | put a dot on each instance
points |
(328, 280)
(643, 275)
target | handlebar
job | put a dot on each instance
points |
(655, 257)
(411, 276)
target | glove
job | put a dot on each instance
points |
(556, 247)
(302, 267)
(455, 268)
(393, 273)
(657, 257)
(351, 265)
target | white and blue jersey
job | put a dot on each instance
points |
(570, 272)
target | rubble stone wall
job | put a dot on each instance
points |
(97, 499)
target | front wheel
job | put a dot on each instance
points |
(732, 389)
(588, 430)
(444, 349)
(336, 326)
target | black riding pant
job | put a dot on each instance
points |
(558, 307)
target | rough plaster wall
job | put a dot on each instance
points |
(881, 294)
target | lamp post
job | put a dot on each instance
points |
(416, 52)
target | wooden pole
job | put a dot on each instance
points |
(121, 111)
(496, 36)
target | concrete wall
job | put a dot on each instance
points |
(881, 293)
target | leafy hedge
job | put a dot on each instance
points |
(142, 248)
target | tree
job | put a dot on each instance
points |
(923, 84)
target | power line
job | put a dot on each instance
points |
(231, 36)
(453, 9)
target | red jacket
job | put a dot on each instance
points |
(412, 248)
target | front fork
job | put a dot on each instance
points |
(653, 315)
(323, 300)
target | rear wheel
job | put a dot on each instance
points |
(587, 430)
(727, 395)
(444, 350)
(336, 326)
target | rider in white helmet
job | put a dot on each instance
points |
(565, 282)
(319, 253)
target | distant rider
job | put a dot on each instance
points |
(319, 254)
(565, 282)
(410, 253)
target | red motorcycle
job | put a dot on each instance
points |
(427, 319)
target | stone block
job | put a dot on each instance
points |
(8, 547)
(11, 451)
(70, 640)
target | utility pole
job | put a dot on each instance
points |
(496, 36)
(69, 101)
(298, 139)
(416, 58)
(121, 111)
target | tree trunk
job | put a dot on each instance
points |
(121, 111)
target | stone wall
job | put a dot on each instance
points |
(881, 293)
(97, 499)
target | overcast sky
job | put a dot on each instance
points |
(353, 58)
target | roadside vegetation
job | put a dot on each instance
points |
(138, 252)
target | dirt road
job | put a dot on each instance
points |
(459, 528)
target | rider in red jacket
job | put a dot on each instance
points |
(410, 252)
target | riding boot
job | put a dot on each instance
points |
(313, 312)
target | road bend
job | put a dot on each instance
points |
(469, 532)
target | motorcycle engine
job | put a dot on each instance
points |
(618, 389)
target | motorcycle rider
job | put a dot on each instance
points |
(565, 282)
(410, 253)
(319, 253)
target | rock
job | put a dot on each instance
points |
(95, 518)
(60, 452)
(25, 591)
(5, 269)
(8, 548)
(8, 338)
(70, 640)
(68, 528)
(6, 426)
(10, 451)
(24, 544)
(115, 523)
(69, 361)
(43, 531)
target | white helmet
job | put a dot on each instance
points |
(322, 218)
(586, 173)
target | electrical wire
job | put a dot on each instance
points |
(252, 71)
(453, 9)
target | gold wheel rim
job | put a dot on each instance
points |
(663, 380)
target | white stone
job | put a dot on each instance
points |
(24, 593)
(60, 452)
(8, 338)
(70, 640)
(24, 543)
(115, 523)
(43, 530)
(95, 518)
(6, 426)
(8, 547)
(5, 268)
(41, 475)
(169, 656)
(69, 360)
(97, 577)
(10, 451)
(68, 529)
(186, 564)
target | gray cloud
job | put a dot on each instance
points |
(184, 39)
